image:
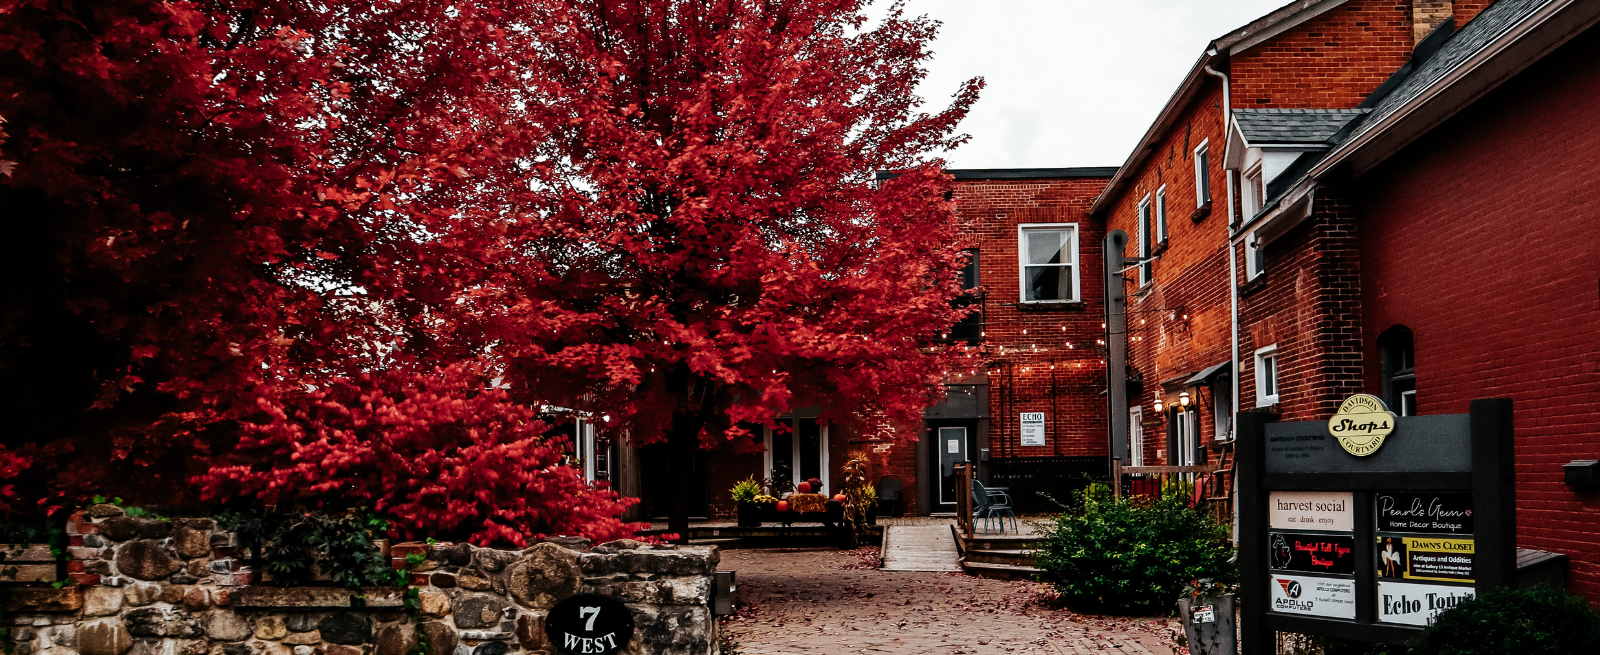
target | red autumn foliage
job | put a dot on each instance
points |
(333, 253)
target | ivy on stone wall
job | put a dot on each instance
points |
(295, 547)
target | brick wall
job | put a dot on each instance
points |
(1179, 323)
(1307, 303)
(1480, 238)
(1333, 60)
(1045, 359)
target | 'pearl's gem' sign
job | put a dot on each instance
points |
(1308, 596)
(1417, 604)
(1361, 424)
(1311, 510)
(589, 624)
(1425, 512)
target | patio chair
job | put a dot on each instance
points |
(992, 504)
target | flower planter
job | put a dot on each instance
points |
(1208, 624)
(750, 515)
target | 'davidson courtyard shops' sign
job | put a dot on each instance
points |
(1367, 526)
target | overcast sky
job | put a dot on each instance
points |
(1070, 82)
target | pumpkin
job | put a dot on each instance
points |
(838, 498)
(783, 505)
(804, 487)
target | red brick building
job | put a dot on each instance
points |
(1033, 349)
(1413, 222)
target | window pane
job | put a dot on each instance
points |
(1047, 247)
(1202, 170)
(782, 455)
(810, 449)
(969, 273)
(1049, 283)
(1269, 374)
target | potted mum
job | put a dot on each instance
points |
(744, 497)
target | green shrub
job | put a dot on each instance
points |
(1537, 621)
(745, 490)
(1132, 555)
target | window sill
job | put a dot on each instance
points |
(1046, 306)
(1253, 285)
(1201, 212)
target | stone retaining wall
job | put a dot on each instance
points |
(181, 587)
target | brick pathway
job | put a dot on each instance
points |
(817, 602)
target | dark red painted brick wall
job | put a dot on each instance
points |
(1482, 239)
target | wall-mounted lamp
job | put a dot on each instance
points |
(1183, 399)
(1159, 405)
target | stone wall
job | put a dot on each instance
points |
(181, 587)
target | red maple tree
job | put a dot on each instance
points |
(703, 244)
(339, 253)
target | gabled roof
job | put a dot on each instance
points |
(1500, 42)
(1274, 23)
(1261, 127)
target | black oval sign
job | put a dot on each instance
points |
(589, 624)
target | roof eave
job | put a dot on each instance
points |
(1530, 40)
(1180, 100)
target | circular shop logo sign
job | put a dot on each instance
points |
(589, 624)
(1361, 424)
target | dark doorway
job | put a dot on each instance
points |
(660, 483)
(951, 442)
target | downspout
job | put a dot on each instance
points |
(1233, 287)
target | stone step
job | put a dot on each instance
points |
(999, 571)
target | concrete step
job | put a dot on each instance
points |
(999, 571)
(1013, 557)
(980, 542)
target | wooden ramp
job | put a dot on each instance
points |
(920, 548)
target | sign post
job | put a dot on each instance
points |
(1367, 526)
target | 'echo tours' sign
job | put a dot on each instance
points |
(1367, 526)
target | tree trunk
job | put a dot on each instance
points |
(682, 442)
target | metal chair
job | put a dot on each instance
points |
(992, 504)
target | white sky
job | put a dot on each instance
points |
(1070, 82)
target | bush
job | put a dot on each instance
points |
(1537, 621)
(1132, 555)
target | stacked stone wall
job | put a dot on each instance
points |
(144, 586)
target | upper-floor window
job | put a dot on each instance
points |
(1397, 347)
(1161, 215)
(1146, 242)
(1048, 262)
(1254, 192)
(1202, 174)
(1255, 259)
(1267, 376)
(971, 327)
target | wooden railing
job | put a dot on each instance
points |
(963, 473)
(1210, 483)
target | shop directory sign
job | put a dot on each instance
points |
(1368, 526)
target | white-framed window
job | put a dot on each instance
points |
(798, 453)
(1135, 436)
(1187, 425)
(1048, 262)
(1202, 173)
(1254, 192)
(1222, 407)
(1255, 258)
(1146, 245)
(1267, 376)
(1161, 215)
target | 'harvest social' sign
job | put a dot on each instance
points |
(1311, 510)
